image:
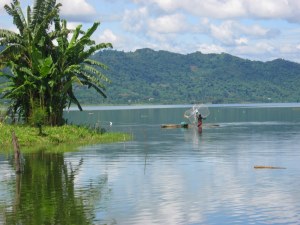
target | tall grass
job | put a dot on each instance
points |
(67, 135)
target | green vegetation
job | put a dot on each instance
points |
(57, 138)
(45, 63)
(38, 118)
(47, 192)
(161, 77)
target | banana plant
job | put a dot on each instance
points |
(21, 51)
(44, 72)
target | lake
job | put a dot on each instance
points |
(165, 176)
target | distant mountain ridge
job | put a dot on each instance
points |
(162, 77)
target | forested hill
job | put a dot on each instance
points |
(161, 77)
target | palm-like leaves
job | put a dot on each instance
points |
(22, 53)
(77, 65)
(42, 71)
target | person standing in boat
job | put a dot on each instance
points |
(199, 118)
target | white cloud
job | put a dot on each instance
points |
(232, 32)
(254, 30)
(216, 8)
(161, 28)
(73, 25)
(295, 6)
(256, 49)
(158, 37)
(77, 10)
(246, 28)
(210, 48)
(209, 8)
(269, 8)
(135, 20)
(167, 5)
(223, 33)
(3, 2)
(119, 41)
(108, 36)
(241, 41)
(168, 24)
(289, 51)
(228, 9)
(289, 48)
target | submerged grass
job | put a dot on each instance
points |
(63, 138)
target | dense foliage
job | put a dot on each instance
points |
(45, 63)
(161, 77)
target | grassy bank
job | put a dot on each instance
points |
(57, 138)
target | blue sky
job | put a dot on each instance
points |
(253, 29)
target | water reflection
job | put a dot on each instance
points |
(45, 193)
(166, 176)
(177, 176)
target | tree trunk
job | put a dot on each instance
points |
(17, 152)
(57, 117)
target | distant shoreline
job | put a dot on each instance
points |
(160, 106)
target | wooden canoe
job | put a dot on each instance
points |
(187, 125)
(175, 126)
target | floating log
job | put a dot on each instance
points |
(268, 167)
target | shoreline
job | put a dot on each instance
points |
(69, 135)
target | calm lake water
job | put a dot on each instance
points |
(165, 176)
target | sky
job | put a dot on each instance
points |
(252, 29)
